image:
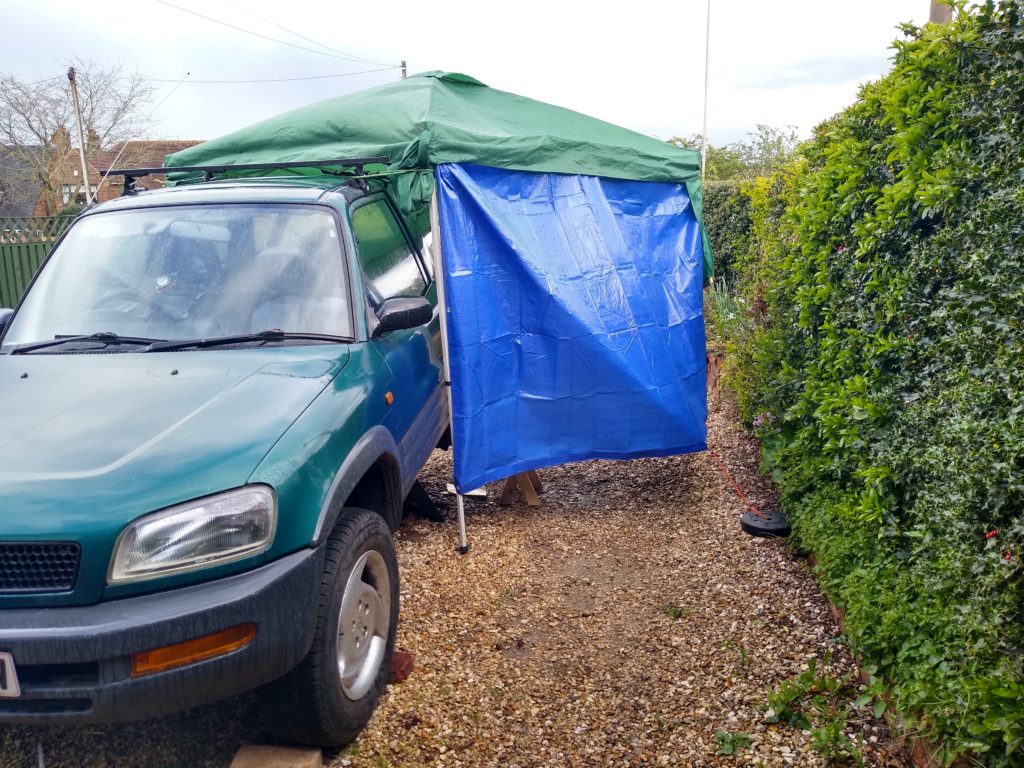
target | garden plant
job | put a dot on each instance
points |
(880, 357)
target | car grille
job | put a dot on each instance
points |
(38, 566)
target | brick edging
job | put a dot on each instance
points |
(922, 750)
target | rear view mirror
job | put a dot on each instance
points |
(396, 314)
(197, 230)
(5, 318)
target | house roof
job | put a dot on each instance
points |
(20, 184)
(140, 154)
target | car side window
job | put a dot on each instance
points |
(389, 264)
(420, 225)
(427, 249)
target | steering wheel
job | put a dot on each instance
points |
(137, 303)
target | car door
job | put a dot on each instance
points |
(393, 267)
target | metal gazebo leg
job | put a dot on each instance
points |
(435, 227)
(463, 544)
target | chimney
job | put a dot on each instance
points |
(61, 139)
(92, 142)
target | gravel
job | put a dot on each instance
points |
(623, 622)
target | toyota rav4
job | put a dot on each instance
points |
(216, 397)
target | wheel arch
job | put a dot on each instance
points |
(370, 478)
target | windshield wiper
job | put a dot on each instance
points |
(103, 337)
(242, 338)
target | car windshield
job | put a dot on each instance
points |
(190, 272)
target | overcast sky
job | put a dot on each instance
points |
(639, 64)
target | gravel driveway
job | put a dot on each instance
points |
(624, 622)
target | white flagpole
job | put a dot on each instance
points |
(707, 69)
(435, 228)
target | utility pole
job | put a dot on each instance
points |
(707, 62)
(404, 73)
(941, 13)
(81, 136)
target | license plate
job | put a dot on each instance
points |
(9, 688)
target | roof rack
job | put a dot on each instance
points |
(208, 171)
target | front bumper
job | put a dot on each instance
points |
(74, 663)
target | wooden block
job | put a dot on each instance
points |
(526, 486)
(265, 756)
(507, 489)
(476, 493)
(535, 479)
(401, 666)
(525, 483)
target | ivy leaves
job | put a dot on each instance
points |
(885, 272)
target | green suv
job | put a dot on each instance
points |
(216, 398)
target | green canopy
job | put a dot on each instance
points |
(439, 117)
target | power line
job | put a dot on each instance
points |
(300, 36)
(255, 34)
(165, 98)
(124, 146)
(47, 80)
(276, 79)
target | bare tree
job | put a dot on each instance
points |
(37, 119)
(722, 163)
(767, 150)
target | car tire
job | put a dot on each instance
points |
(328, 699)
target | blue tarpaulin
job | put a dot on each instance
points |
(575, 319)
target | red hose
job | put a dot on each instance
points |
(736, 487)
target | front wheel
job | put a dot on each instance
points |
(330, 696)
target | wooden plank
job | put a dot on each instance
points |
(9, 287)
(508, 489)
(526, 486)
(535, 479)
(18, 283)
(4, 277)
(265, 756)
(36, 256)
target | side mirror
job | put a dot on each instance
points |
(397, 314)
(5, 318)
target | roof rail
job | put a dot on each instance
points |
(208, 171)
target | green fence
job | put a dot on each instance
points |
(24, 243)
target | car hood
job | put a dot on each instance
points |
(91, 441)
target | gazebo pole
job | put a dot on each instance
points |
(707, 69)
(435, 228)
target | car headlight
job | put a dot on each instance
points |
(198, 534)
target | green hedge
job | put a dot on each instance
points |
(727, 222)
(885, 371)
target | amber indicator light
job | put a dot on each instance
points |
(389, 398)
(205, 647)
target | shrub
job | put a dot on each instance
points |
(727, 222)
(885, 274)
